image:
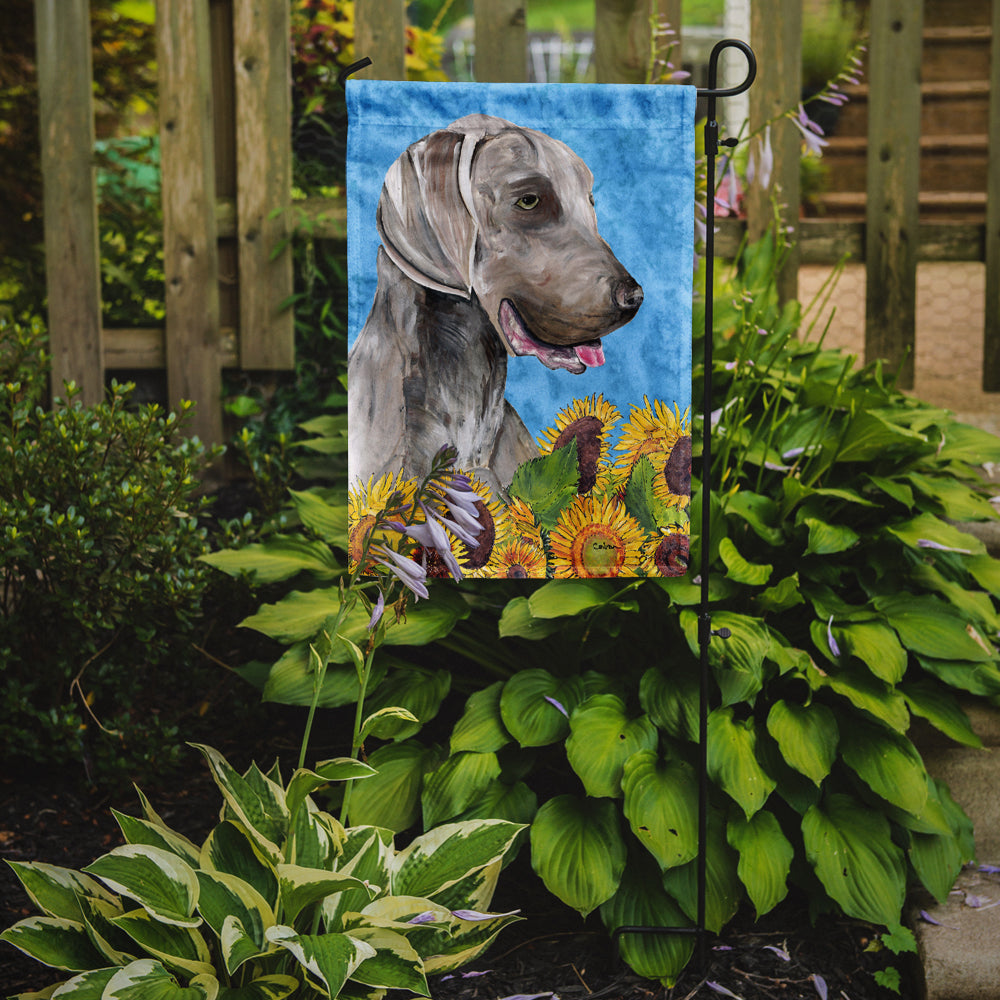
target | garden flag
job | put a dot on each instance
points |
(520, 265)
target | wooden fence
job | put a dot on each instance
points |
(224, 107)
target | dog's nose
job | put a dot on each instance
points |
(627, 294)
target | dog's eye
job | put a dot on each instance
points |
(591, 196)
(528, 202)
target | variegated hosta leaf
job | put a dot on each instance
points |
(116, 946)
(850, 847)
(395, 964)
(56, 891)
(141, 831)
(535, 706)
(661, 799)
(807, 736)
(642, 902)
(177, 947)
(367, 853)
(888, 763)
(275, 987)
(467, 940)
(54, 941)
(602, 737)
(160, 882)
(329, 959)
(304, 782)
(732, 760)
(300, 887)
(87, 986)
(230, 849)
(578, 851)
(391, 799)
(765, 858)
(225, 897)
(315, 839)
(481, 727)
(456, 784)
(417, 690)
(441, 857)
(476, 890)
(256, 801)
(149, 980)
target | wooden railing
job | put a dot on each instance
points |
(226, 160)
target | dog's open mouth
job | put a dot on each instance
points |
(576, 358)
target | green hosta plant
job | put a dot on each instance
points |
(279, 900)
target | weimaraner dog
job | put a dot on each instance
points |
(489, 247)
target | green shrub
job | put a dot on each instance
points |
(99, 541)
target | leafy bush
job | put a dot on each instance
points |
(854, 604)
(99, 539)
(279, 899)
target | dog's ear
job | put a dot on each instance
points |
(423, 219)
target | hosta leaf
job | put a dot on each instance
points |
(416, 689)
(783, 595)
(301, 887)
(391, 798)
(54, 941)
(441, 857)
(230, 849)
(738, 661)
(304, 782)
(976, 678)
(528, 710)
(936, 704)
(602, 738)
(87, 986)
(147, 979)
(732, 760)
(516, 620)
(827, 539)
(671, 700)
(738, 569)
(516, 803)
(932, 628)
(456, 784)
(641, 901)
(481, 728)
(807, 736)
(275, 987)
(986, 571)
(864, 691)
(870, 436)
(876, 646)
(159, 881)
(765, 858)
(56, 891)
(928, 528)
(760, 512)
(578, 851)
(330, 959)
(366, 855)
(937, 860)
(888, 763)
(957, 501)
(850, 848)
(395, 964)
(98, 915)
(180, 948)
(227, 897)
(559, 598)
(387, 723)
(141, 831)
(661, 798)
(280, 557)
(465, 941)
(327, 520)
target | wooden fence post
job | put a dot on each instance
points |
(776, 35)
(991, 333)
(262, 60)
(623, 37)
(190, 251)
(72, 255)
(501, 41)
(380, 34)
(892, 215)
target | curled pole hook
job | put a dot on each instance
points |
(353, 68)
(712, 90)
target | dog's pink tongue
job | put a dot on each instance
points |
(592, 354)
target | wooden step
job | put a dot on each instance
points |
(958, 206)
(956, 53)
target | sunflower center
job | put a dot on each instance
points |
(516, 572)
(359, 535)
(671, 555)
(597, 550)
(587, 432)
(478, 555)
(677, 469)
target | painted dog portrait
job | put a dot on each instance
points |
(505, 260)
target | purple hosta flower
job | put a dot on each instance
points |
(412, 575)
(990, 869)
(531, 996)
(719, 988)
(927, 918)
(559, 705)
(780, 952)
(831, 642)
(728, 195)
(760, 166)
(465, 975)
(475, 915)
(377, 612)
(427, 917)
(928, 543)
(811, 132)
(820, 984)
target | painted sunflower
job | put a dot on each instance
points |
(517, 559)
(522, 524)
(664, 437)
(667, 554)
(590, 422)
(480, 560)
(595, 538)
(367, 502)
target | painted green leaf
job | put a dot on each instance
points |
(559, 598)
(329, 958)
(456, 784)
(738, 569)
(732, 760)
(230, 849)
(936, 704)
(888, 763)
(577, 850)
(391, 798)
(279, 558)
(661, 799)
(481, 728)
(548, 484)
(930, 627)
(159, 881)
(641, 500)
(602, 738)
(327, 520)
(56, 891)
(807, 736)
(535, 706)
(395, 964)
(180, 948)
(420, 691)
(147, 979)
(641, 901)
(827, 539)
(516, 620)
(765, 858)
(927, 527)
(670, 698)
(440, 858)
(54, 941)
(850, 848)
